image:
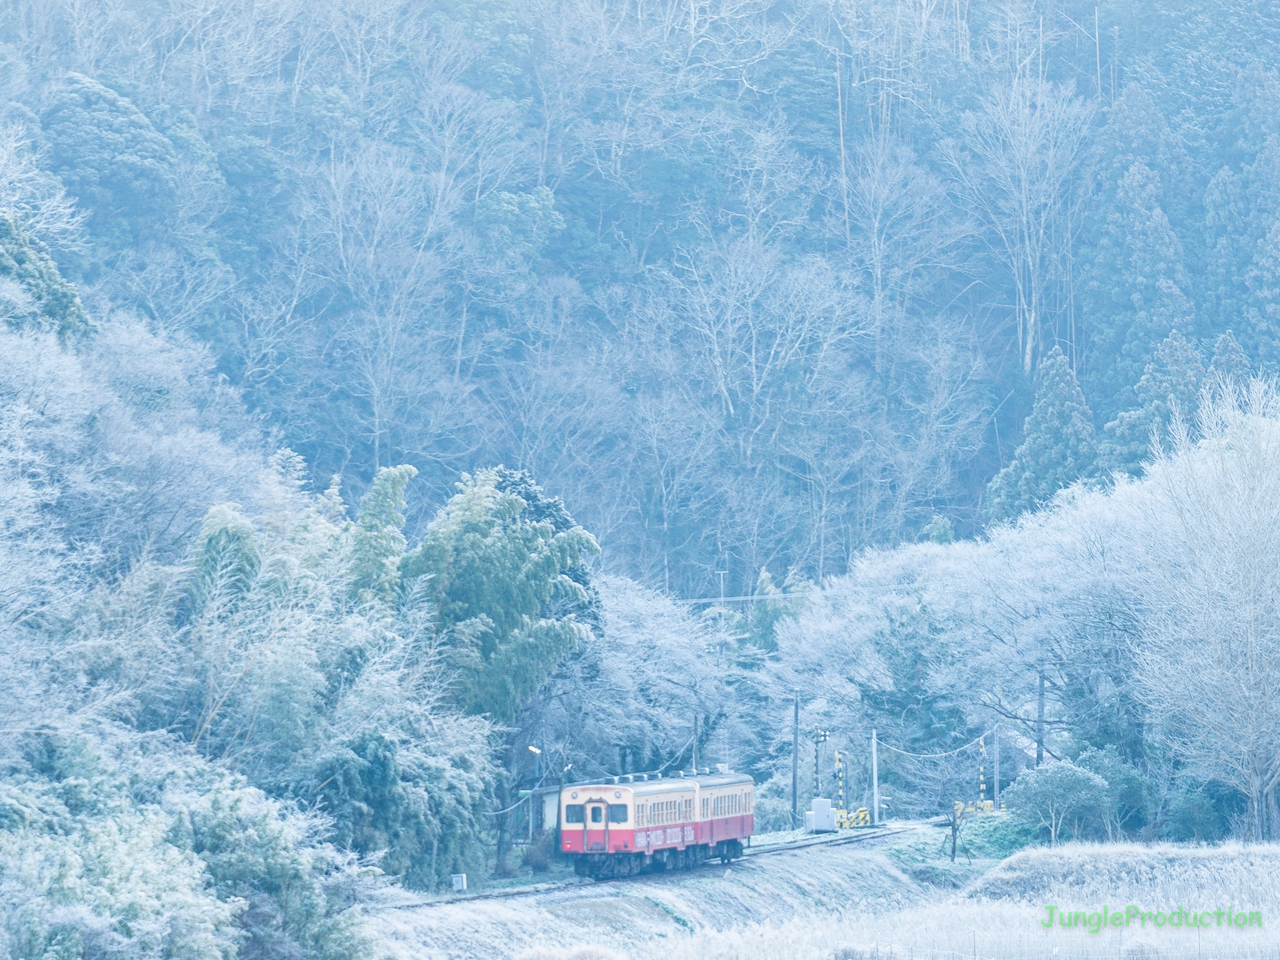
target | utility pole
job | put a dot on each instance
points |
(875, 781)
(995, 782)
(720, 644)
(695, 744)
(795, 762)
(840, 783)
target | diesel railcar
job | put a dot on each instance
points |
(626, 825)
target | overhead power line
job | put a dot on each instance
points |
(760, 596)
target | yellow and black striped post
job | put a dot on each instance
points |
(840, 810)
(982, 772)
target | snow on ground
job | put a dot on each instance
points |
(662, 908)
(854, 903)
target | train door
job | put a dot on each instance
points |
(597, 816)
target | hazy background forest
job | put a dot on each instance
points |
(378, 378)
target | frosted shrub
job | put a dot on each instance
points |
(128, 852)
(104, 885)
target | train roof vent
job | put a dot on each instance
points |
(630, 778)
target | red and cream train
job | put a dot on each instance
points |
(624, 825)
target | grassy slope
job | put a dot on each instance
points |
(667, 909)
(903, 898)
(999, 914)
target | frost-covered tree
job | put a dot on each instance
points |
(1262, 306)
(1229, 365)
(1210, 650)
(628, 699)
(1139, 287)
(40, 297)
(1058, 445)
(111, 157)
(506, 574)
(284, 649)
(1126, 789)
(1057, 792)
(1169, 389)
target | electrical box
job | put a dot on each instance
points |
(821, 817)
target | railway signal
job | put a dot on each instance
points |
(819, 738)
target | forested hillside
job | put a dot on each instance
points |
(377, 379)
(747, 284)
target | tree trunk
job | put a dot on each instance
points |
(1040, 722)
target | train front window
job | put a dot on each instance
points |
(573, 813)
(597, 814)
(617, 813)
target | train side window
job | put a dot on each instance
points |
(617, 813)
(573, 813)
(597, 815)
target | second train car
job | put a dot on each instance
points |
(626, 825)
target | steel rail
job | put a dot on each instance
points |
(803, 843)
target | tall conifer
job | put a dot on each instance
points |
(1169, 387)
(1058, 444)
(1229, 366)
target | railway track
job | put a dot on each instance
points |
(804, 843)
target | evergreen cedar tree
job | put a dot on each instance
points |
(1058, 445)
(1169, 388)
(49, 301)
(1138, 286)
